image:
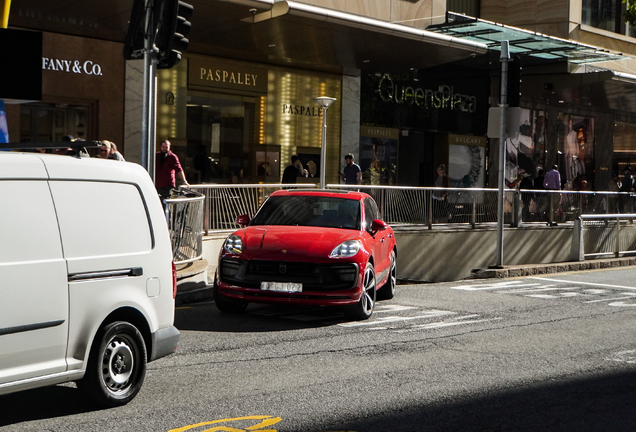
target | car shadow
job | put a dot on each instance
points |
(257, 318)
(44, 403)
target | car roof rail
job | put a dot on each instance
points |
(78, 145)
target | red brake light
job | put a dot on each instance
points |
(174, 281)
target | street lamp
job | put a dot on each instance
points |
(325, 103)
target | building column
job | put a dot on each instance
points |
(350, 119)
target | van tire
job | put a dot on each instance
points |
(116, 365)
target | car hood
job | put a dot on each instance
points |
(292, 242)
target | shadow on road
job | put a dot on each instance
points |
(257, 318)
(596, 404)
(43, 403)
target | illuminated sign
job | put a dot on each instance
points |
(224, 75)
(444, 97)
(72, 66)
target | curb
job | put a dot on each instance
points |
(538, 269)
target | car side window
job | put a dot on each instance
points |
(370, 212)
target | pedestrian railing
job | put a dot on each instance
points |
(609, 234)
(224, 202)
(427, 206)
(184, 214)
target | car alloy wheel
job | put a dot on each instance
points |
(364, 307)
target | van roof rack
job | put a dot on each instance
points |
(77, 145)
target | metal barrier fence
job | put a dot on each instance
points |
(224, 202)
(426, 205)
(184, 214)
(610, 234)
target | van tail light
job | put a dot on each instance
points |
(174, 281)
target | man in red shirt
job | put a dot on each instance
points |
(167, 169)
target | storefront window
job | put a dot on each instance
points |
(221, 136)
(48, 122)
(624, 147)
(604, 14)
(576, 147)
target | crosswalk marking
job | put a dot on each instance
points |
(396, 318)
(584, 283)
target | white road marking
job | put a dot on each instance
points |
(628, 296)
(584, 283)
(392, 308)
(624, 357)
(383, 320)
(450, 324)
(622, 304)
(540, 288)
(492, 286)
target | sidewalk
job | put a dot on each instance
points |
(539, 269)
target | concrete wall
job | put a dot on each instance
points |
(436, 256)
(447, 255)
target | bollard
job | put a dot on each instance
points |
(577, 250)
(517, 216)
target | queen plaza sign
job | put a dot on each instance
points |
(444, 97)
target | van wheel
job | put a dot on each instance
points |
(364, 308)
(228, 305)
(116, 365)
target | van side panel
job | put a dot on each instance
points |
(109, 263)
(33, 284)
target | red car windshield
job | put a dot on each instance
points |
(309, 210)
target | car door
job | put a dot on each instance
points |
(379, 241)
(33, 283)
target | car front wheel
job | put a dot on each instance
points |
(364, 307)
(227, 305)
(116, 365)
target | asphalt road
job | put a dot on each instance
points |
(553, 353)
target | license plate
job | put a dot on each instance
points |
(282, 286)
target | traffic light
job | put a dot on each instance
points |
(134, 44)
(514, 82)
(174, 26)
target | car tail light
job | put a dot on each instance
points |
(174, 281)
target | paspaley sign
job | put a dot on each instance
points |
(86, 67)
(224, 75)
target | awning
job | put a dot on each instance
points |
(532, 44)
(284, 33)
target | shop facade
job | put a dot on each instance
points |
(238, 122)
(415, 121)
(82, 93)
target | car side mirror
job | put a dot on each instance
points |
(378, 225)
(242, 220)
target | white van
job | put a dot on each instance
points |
(87, 287)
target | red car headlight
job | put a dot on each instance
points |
(233, 244)
(345, 249)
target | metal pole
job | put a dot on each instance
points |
(323, 149)
(149, 108)
(5, 14)
(324, 102)
(503, 104)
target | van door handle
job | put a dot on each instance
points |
(130, 272)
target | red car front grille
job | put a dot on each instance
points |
(314, 277)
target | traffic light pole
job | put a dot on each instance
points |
(149, 110)
(505, 58)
